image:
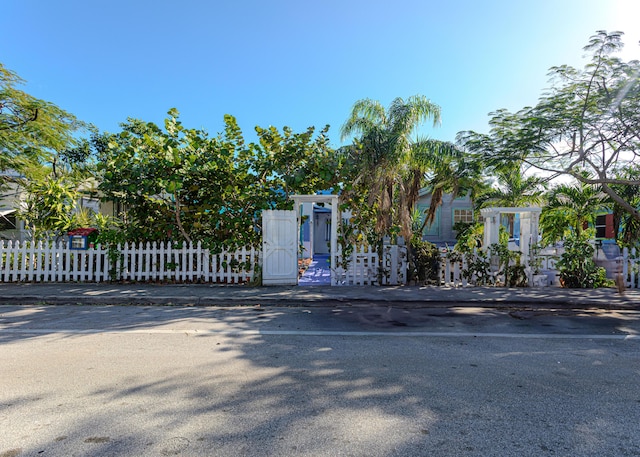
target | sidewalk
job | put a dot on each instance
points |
(399, 296)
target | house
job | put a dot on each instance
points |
(12, 196)
(316, 222)
(11, 228)
(451, 211)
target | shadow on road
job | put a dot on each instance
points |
(296, 395)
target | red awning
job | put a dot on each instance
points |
(82, 231)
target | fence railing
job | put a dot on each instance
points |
(56, 262)
(360, 267)
(452, 270)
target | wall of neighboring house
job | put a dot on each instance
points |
(441, 232)
(11, 228)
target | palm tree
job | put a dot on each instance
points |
(625, 225)
(570, 207)
(383, 156)
(513, 189)
(447, 169)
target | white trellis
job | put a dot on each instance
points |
(332, 201)
(529, 222)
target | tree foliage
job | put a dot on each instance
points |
(576, 265)
(626, 226)
(386, 164)
(513, 189)
(570, 208)
(588, 120)
(447, 169)
(31, 130)
(49, 207)
(178, 183)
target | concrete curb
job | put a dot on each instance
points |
(400, 296)
(199, 301)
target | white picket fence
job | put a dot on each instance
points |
(631, 268)
(56, 262)
(451, 272)
(628, 264)
(362, 266)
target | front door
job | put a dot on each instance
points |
(322, 233)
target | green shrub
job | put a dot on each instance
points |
(468, 236)
(478, 269)
(576, 265)
(510, 266)
(424, 261)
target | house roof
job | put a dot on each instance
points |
(82, 231)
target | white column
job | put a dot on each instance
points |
(312, 224)
(491, 227)
(529, 229)
(335, 210)
(535, 225)
(525, 236)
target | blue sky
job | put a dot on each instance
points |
(297, 63)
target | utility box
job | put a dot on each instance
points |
(82, 238)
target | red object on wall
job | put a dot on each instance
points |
(609, 231)
(82, 231)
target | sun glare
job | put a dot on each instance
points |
(624, 17)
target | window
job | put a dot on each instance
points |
(601, 226)
(78, 242)
(8, 222)
(463, 215)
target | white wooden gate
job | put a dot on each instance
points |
(279, 248)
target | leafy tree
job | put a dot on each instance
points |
(469, 236)
(295, 163)
(173, 182)
(576, 265)
(180, 184)
(570, 208)
(626, 227)
(513, 189)
(445, 169)
(31, 130)
(588, 120)
(424, 263)
(48, 210)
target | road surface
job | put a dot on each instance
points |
(359, 381)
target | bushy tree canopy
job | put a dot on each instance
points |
(31, 130)
(588, 120)
(181, 184)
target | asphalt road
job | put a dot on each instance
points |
(361, 381)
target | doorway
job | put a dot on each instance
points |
(317, 223)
